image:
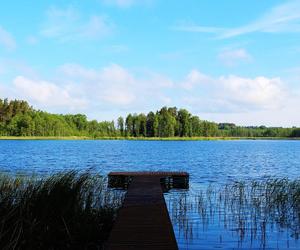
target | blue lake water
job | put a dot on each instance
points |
(208, 162)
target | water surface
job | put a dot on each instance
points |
(208, 162)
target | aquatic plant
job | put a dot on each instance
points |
(63, 211)
(251, 210)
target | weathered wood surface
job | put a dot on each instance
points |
(143, 221)
(148, 173)
(169, 180)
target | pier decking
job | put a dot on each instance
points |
(143, 221)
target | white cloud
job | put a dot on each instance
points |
(117, 48)
(284, 117)
(46, 94)
(68, 25)
(195, 78)
(116, 85)
(233, 57)
(284, 18)
(171, 56)
(260, 92)
(2, 68)
(112, 84)
(118, 96)
(13, 67)
(120, 3)
(127, 3)
(233, 93)
(79, 72)
(4, 91)
(7, 40)
(32, 40)
(116, 75)
(109, 91)
(191, 27)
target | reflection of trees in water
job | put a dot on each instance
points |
(250, 209)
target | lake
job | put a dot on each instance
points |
(209, 163)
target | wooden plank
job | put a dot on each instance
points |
(143, 221)
(148, 173)
(169, 180)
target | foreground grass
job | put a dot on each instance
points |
(202, 138)
(63, 211)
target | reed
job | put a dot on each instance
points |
(250, 209)
(63, 211)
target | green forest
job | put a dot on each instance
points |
(18, 118)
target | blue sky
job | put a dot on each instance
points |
(227, 61)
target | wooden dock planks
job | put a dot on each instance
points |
(143, 221)
(151, 173)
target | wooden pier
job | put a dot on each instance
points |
(143, 221)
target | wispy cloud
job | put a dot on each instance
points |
(7, 40)
(127, 3)
(10, 66)
(171, 56)
(233, 57)
(117, 48)
(191, 27)
(284, 18)
(68, 24)
(32, 40)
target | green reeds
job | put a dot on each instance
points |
(251, 209)
(63, 211)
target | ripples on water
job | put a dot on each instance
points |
(208, 162)
(241, 215)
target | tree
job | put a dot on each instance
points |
(120, 125)
(21, 125)
(184, 128)
(135, 125)
(166, 123)
(129, 125)
(142, 125)
(209, 128)
(93, 128)
(80, 121)
(150, 120)
(155, 125)
(195, 124)
(18, 118)
(295, 132)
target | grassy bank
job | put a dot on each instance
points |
(143, 138)
(45, 138)
(63, 211)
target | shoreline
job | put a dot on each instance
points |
(144, 138)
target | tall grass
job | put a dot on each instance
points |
(63, 211)
(251, 210)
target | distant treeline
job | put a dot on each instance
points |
(18, 118)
